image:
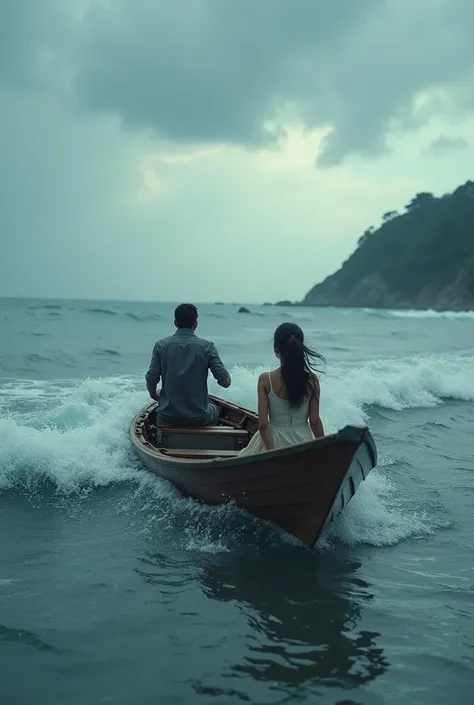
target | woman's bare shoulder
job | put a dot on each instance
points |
(265, 378)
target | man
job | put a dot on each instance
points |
(182, 362)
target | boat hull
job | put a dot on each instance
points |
(301, 488)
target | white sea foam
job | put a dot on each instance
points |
(378, 515)
(76, 437)
(422, 314)
(80, 440)
(397, 383)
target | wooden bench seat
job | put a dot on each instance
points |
(204, 430)
(215, 439)
(198, 454)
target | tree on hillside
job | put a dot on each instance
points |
(389, 215)
(366, 234)
(420, 201)
(423, 256)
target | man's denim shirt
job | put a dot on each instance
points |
(182, 362)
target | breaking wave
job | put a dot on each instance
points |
(106, 352)
(57, 311)
(47, 307)
(100, 311)
(130, 315)
(73, 437)
(421, 314)
(348, 391)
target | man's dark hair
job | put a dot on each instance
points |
(185, 315)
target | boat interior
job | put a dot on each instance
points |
(232, 432)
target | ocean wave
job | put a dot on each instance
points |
(46, 307)
(35, 362)
(74, 437)
(143, 316)
(81, 444)
(130, 315)
(100, 311)
(296, 315)
(348, 392)
(106, 352)
(58, 312)
(379, 515)
(34, 310)
(79, 441)
(282, 314)
(36, 358)
(421, 314)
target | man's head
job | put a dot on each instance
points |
(186, 316)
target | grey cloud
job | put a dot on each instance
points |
(32, 36)
(69, 220)
(62, 186)
(217, 70)
(212, 73)
(444, 144)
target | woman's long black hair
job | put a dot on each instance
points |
(296, 367)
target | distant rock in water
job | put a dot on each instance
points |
(242, 309)
(284, 303)
(218, 303)
(267, 303)
(420, 259)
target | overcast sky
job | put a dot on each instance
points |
(219, 149)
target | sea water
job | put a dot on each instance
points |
(115, 589)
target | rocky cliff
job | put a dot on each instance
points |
(422, 258)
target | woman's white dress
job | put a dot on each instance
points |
(287, 426)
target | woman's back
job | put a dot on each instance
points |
(280, 412)
(288, 425)
(288, 398)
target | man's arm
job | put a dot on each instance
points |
(217, 368)
(154, 373)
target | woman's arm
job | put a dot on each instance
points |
(314, 417)
(263, 389)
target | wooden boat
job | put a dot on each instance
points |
(301, 488)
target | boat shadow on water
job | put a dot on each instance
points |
(306, 622)
(297, 631)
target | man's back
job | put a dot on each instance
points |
(182, 361)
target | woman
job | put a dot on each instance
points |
(288, 397)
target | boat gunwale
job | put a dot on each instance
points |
(349, 434)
